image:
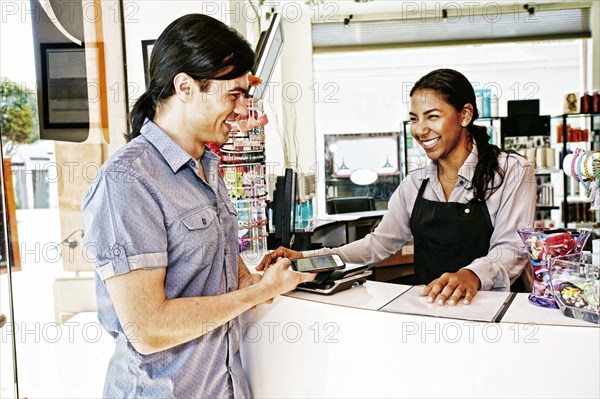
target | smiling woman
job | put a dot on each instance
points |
(462, 210)
(443, 109)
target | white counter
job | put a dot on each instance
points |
(356, 344)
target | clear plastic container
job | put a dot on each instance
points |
(575, 283)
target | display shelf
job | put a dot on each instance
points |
(575, 115)
(576, 199)
(544, 171)
(585, 225)
(589, 122)
(546, 207)
(244, 172)
(233, 165)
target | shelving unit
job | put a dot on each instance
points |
(574, 204)
(244, 171)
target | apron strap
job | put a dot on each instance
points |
(422, 189)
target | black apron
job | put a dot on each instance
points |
(448, 235)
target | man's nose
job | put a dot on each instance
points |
(241, 108)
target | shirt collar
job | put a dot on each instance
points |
(466, 171)
(175, 156)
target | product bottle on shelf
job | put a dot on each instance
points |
(495, 102)
(487, 112)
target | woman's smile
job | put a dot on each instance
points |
(430, 143)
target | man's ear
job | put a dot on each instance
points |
(183, 84)
(466, 115)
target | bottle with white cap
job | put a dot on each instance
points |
(495, 106)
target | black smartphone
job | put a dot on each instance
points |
(317, 264)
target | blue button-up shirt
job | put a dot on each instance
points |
(148, 209)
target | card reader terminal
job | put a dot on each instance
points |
(328, 283)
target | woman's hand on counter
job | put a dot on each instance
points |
(280, 252)
(452, 287)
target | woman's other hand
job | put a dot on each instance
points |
(280, 252)
(451, 287)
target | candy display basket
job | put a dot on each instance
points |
(542, 245)
(575, 283)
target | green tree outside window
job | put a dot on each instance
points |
(19, 122)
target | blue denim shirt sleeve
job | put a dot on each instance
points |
(123, 225)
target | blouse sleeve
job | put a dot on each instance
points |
(506, 259)
(387, 239)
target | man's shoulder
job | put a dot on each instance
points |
(133, 163)
(133, 158)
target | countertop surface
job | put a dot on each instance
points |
(487, 306)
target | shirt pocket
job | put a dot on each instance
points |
(199, 219)
(200, 230)
(231, 208)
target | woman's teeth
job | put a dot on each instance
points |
(427, 144)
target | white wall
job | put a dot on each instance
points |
(371, 88)
(293, 74)
(145, 20)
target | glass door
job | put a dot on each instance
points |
(56, 95)
(8, 365)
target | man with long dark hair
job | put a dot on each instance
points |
(170, 283)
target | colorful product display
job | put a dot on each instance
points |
(582, 166)
(542, 245)
(572, 134)
(244, 172)
(590, 102)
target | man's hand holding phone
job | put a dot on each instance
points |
(282, 279)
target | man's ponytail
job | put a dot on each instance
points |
(143, 108)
